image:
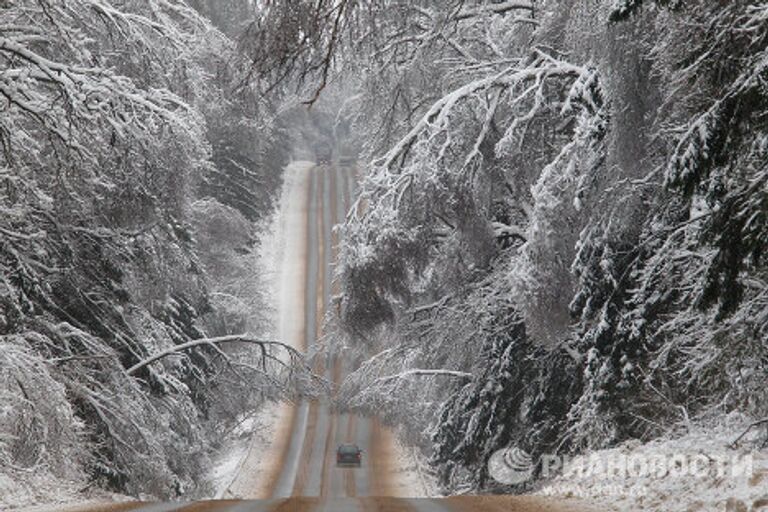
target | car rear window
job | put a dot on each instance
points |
(345, 449)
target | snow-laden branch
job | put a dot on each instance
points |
(515, 85)
(542, 67)
(752, 425)
(505, 230)
(60, 96)
(425, 373)
(377, 382)
(212, 342)
(500, 8)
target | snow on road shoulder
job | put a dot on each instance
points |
(289, 252)
(410, 474)
(42, 492)
(41, 488)
(694, 472)
(242, 468)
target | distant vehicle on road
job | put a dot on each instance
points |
(349, 455)
(323, 154)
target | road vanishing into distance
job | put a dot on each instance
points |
(300, 473)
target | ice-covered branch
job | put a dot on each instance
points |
(437, 115)
(213, 342)
(504, 230)
(752, 425)
(425, 373)
(496, 8)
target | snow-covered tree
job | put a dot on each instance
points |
(597, 169)
(107, 108)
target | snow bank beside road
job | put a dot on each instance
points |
(412, 475)
(29, 494)
(39, 488)
(242, 469)
(702, 473)
(290, 253)
(399, 471)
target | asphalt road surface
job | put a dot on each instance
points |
(301, 474)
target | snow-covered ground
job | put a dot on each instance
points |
(239, 470)
(15, 492)
(412, 476)
(23, 494)
(243, 466)
(289, 252)
(694, 471)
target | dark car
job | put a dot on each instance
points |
(324, 155)
(349, 455)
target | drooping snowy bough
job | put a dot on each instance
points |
(567, 203)
(110, 120)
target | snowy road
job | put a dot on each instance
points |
(307, 466)
(304, 475)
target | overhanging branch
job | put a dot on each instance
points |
(426, 373)
(212, 342)
(500, 8)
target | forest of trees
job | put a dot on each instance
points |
(564, 220)
(558, 244)
(137, 164)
